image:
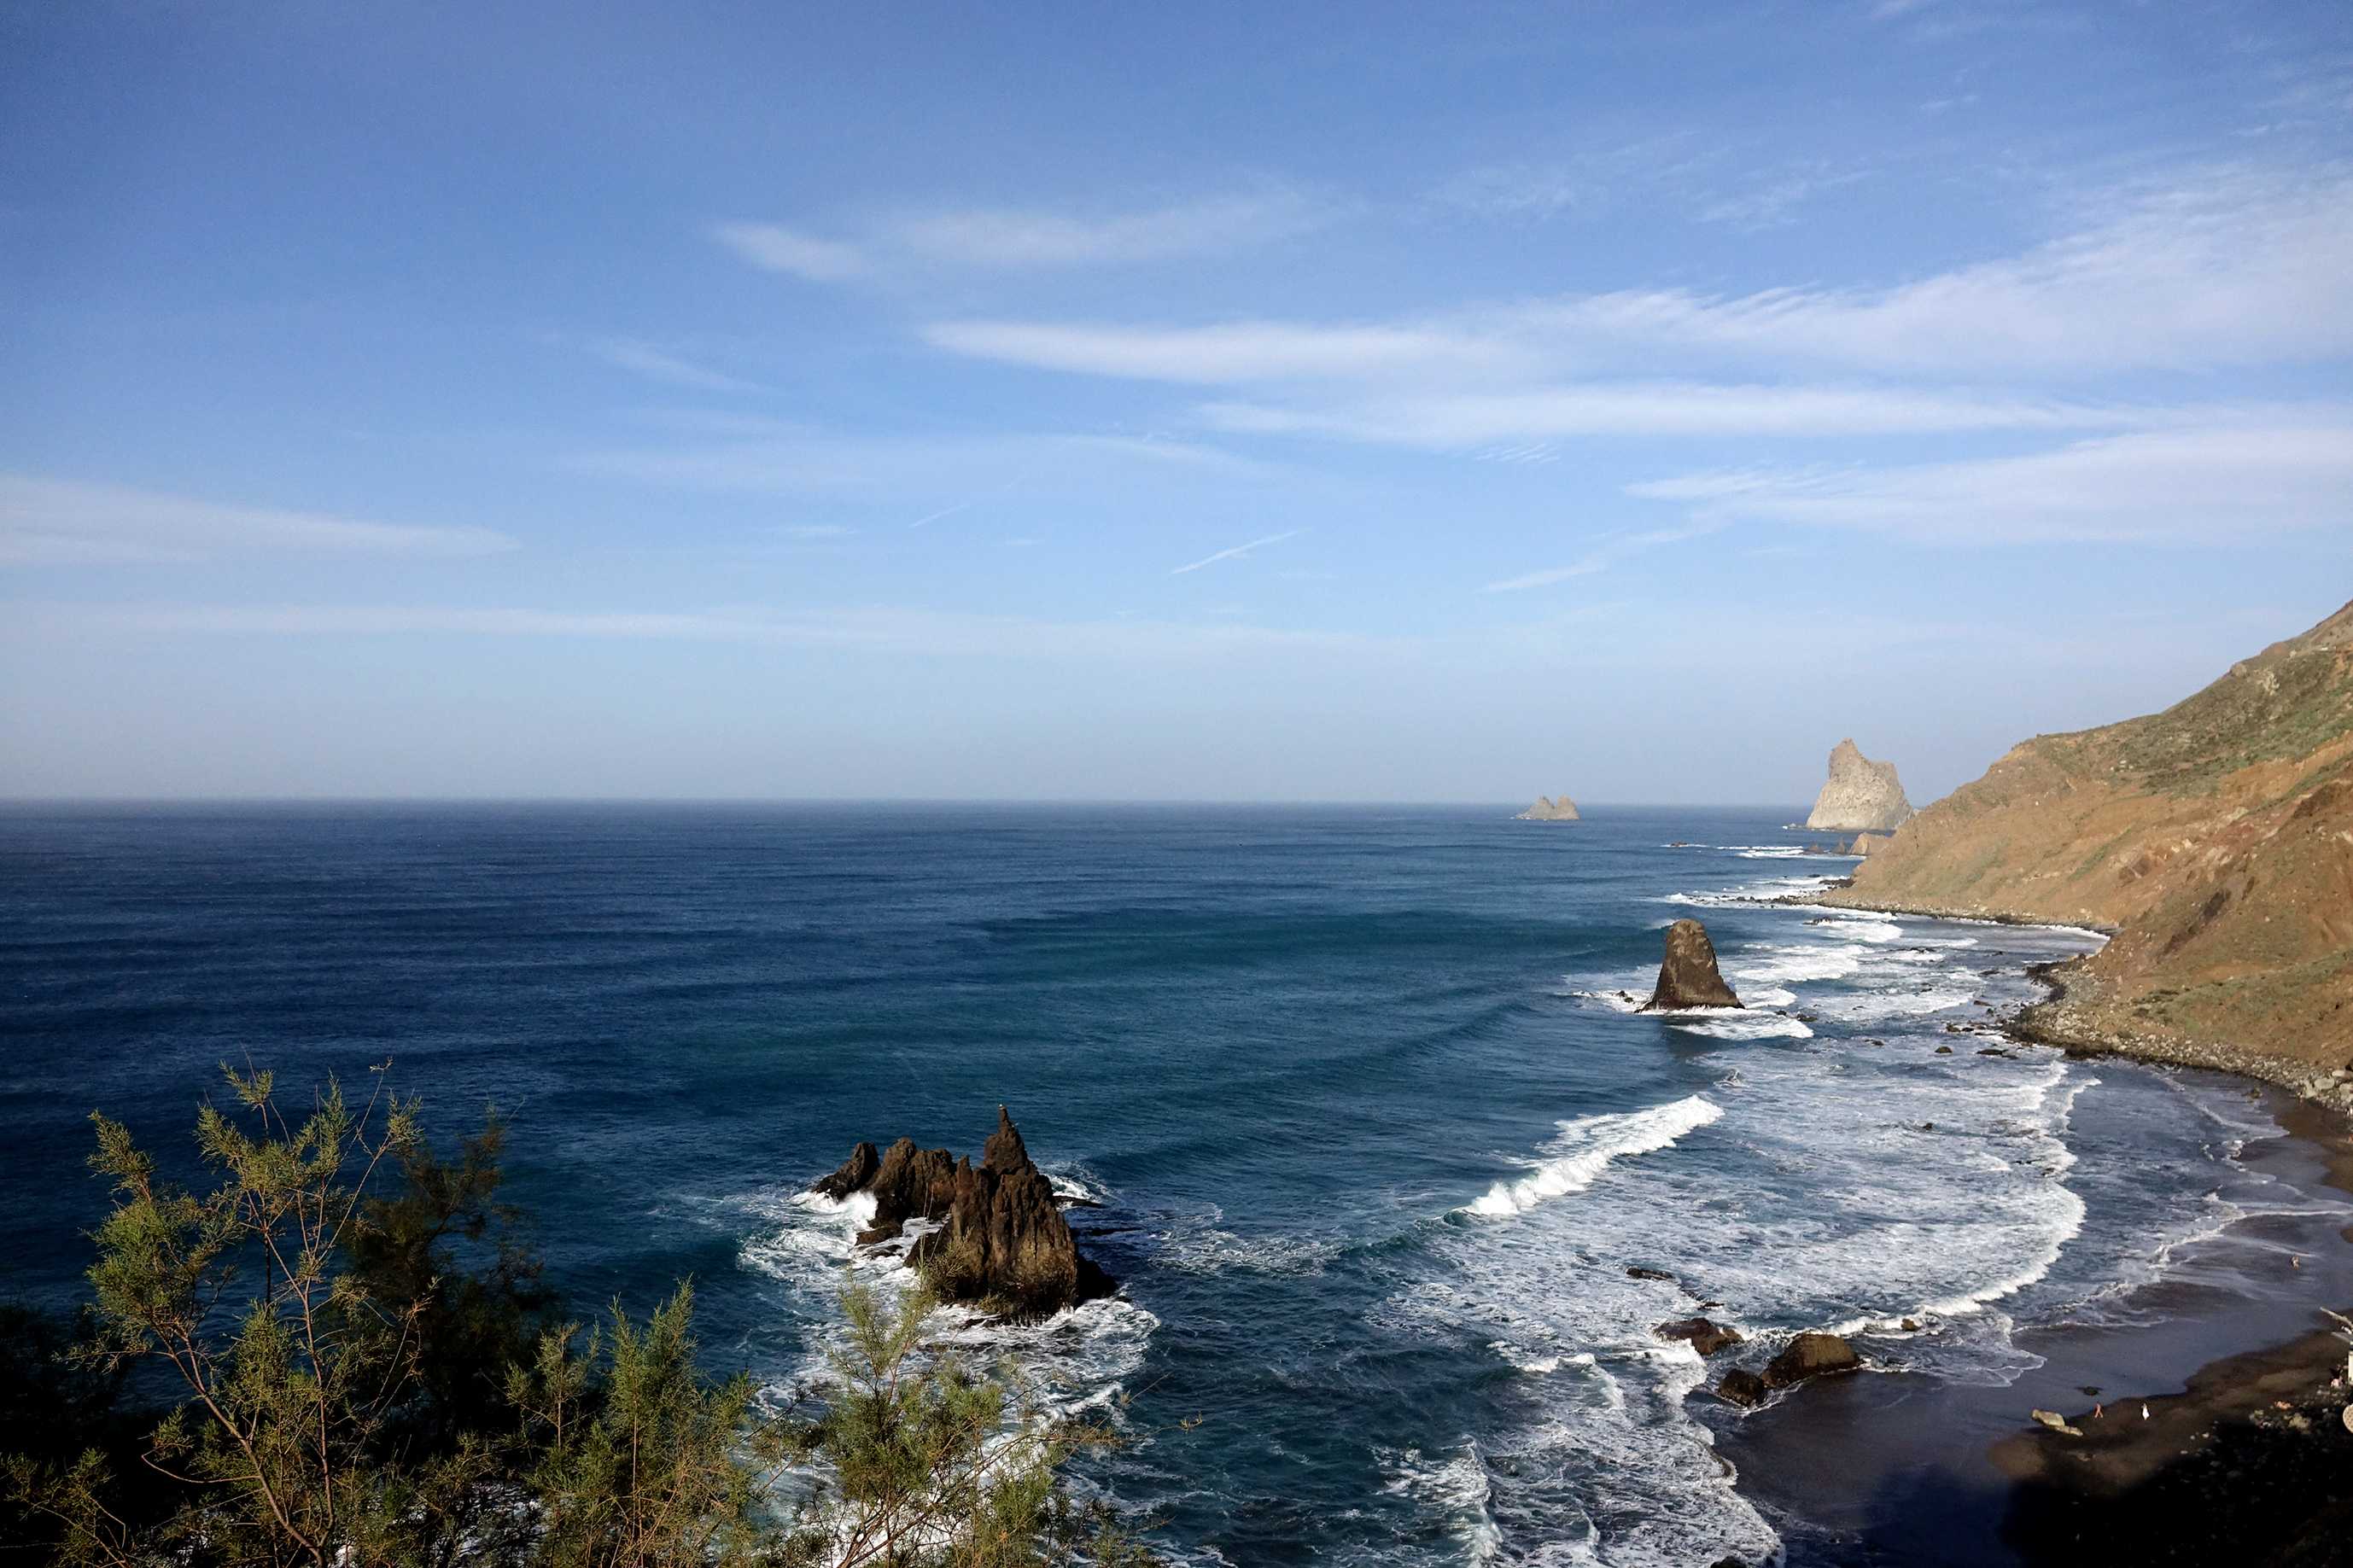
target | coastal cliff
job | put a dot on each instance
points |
(2215, 839)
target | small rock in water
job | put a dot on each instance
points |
(1944, 1051)
(1648, 1274)
(1910, 1327)
(1744, 1387)
(1810, 1355)
(1706, 1337)
(1688, 977)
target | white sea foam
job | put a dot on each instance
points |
(1454, 1487)
(1726, 1025)
(1586, 1145)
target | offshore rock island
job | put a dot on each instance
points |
(1688, 976)
(1547, 809)
(996, 1237)
(1861, 797)
(2214, 839)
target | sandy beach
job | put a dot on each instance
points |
(1895, 1466)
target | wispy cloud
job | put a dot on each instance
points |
(58, 522)
(1037, 239)
(1238, 550)
(2174, 487)
(804, 462)
(661, 364)
(1600, 559)
(781, 250)
(1452, 422)
(1237, 351)
(2230, 266)
(1016, 237)
(874, 628)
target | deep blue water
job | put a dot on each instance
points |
(1375, 1139)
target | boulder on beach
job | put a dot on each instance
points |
(1688, 977)
(998, 1238)
(1547, 809)
(1810, 1355)
(1706, 1337)
(1862, 795)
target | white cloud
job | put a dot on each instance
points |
(1236, 552)
(2174, 487)
(782, 249)
(1453, 421)
(2231, 268)
(1600, 560)
(883, 629)
(56, 522)
(1021, 237)
(1015, 238)
(660, 364)
(1235, 352)
(807, 461)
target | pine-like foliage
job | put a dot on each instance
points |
(366, 1371)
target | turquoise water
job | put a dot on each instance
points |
(1375, 1138)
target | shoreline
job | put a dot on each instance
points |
(1900, 1466)
(2059, 1020)
(1907, 1468)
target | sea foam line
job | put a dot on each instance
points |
(1586, 1145)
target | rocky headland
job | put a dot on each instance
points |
(2213, 839)
(994, 1235)
(1547, 809)
(1861, 797)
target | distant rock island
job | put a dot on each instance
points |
(1688, 977)
(1862, 795)
(1547, 809)
(996, 1238)
(2215, 837)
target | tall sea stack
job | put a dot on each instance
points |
(1688, 978)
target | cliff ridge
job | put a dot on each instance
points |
(2215, 839)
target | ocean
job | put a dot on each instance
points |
(1375, 1133)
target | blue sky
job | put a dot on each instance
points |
(1205, 401)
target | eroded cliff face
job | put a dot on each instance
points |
(1861, 794)
(2216, 838)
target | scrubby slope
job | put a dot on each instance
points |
(2216, 838)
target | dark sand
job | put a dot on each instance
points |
(1902, 1468)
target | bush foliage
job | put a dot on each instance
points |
(364, 1366)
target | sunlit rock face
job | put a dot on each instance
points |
(1861, 795)
(1547, 809)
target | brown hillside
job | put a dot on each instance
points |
(2216, 838)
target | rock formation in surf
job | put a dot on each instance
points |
(1688, 977)
(1547, 809)
(1861, 794)
(998, 1238)
(1742, 1386)
(2216, 838)
(1704, 1336)
(1810, 1355)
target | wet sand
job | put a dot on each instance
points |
(1899, 1467)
